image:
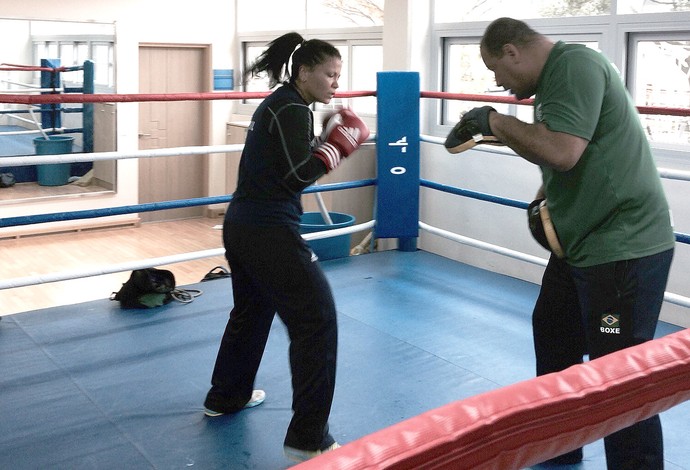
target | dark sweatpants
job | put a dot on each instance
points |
(596, 311)
(274, 271)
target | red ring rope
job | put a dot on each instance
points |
(137, 97)
(33, 68)
(142, 97)
(528, 102)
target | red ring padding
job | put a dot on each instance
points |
(659, 110)
(526, 423)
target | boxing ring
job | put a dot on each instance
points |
(435, 368)
(17, 139)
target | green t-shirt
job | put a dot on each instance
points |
(611, 205)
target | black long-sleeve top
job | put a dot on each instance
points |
(277, 161)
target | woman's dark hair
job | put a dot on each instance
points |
(274, 60)
(506, 31)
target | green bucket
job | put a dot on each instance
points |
(53, 174)
(332, 247)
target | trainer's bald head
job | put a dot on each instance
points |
(507, 31)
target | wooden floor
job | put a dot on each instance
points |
(53, 253)
(25, 192)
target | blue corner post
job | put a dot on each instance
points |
(397, 154)
(87, 110)
(51, 117)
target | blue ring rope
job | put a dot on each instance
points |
(474, 194)
(156, 206)
(680, 237)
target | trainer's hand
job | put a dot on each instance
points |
(473, 129)
(480, 116)
(343, 134)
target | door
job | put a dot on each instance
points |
(167, 124)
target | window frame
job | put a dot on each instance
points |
(350, 38)
(612, 32)
(299, 18)
(74, 41)
(633, 40)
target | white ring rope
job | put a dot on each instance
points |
(668, 296)
(100, 156)
(198, 150)
(28, 88)
(674, 174)
(432, 139)
(663, 172)
(339, 231)
(677, 299)
(160, 261)
(27, 132)
(110, 269)
(483, 245)
(91, 157)
(34, 90)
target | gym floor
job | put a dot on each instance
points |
(93, 386)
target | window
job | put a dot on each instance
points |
(464, 72)
(653, 6)
(366, 61)
(102, 54)
(307, 14)
(482, 10)
(361, 60)
(250, 83)
(647, 40)
(343, 13)
(660, 76)
(353, 26)
(284, 16)
(73, 46)
(74, 52)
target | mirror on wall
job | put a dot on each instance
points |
(30, 52)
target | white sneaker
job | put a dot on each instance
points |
(258, 397)
(299, 455)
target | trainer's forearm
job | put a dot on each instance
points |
(536, 143)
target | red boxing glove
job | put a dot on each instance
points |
(320, 139)
(343, 134)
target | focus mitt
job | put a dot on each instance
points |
(542, 228)
(465, 135)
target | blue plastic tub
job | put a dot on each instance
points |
(332, 247)
(53, 174)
